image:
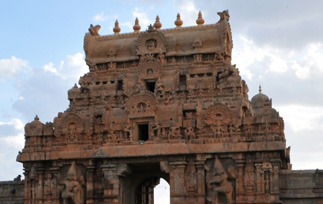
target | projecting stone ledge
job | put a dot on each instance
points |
(301, 186)
(152, 150)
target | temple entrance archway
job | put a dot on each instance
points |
(139, 185)
(162, 192)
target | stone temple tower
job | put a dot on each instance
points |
(158, 103)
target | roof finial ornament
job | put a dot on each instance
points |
(36, 117)
(116, 28)
(94, 30)
(136, 27)
(200, 20)
(157, 24)
(178, 21)
(259, 88)
(150, 28)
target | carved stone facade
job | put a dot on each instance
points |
(158, 104)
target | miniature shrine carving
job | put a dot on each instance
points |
(158, 104)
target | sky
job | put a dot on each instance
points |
(278, 44)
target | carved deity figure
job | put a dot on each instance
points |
(217, 182)
(189, 133)
(151, 44)
(128, 129)
(72, 192)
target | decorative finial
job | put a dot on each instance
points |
(36, 117)
(150, 28)
(200, 20)
(178, 21)
(136, 27)
(157, 24)
(259, 88)
(116, 28)
(94, 30)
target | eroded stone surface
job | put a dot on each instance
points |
(161, 103)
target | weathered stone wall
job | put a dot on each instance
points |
(301, 186)
(12, 192)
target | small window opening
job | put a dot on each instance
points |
(182, 82)
(143, 132)
(150, 85)
(119, 85)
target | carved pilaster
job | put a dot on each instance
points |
(27, 186)
(239, 186)
(89, 184)
(111, 182)
(53, 185)
(40, 185)
(200, 181)
(177, 181)
(259, 178)
(275, 179)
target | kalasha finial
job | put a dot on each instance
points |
(259, 88)
(178, 21)
(36, 117)
(157, 24)
(136, 27)
(200, 20)
(116, 28)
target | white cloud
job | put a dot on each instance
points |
(15, 129)
(246, 54)
(100, 17)
(188, 12)
(50, 68)
(272, 59)
(10, 67)
(277, 64)
(301, 117)
(14, 140)
(144, 21)
(72, 67)
(15, 122)
(127, 26)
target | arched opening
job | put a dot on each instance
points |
(145, 191)
(162, 193)
(139, 187)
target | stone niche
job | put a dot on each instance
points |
(160, 103)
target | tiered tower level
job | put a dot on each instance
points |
(160, 103)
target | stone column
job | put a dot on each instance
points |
(53, 185)
(275, 179)
(89, 184)
(240, 164)
(110, 183)
(40, 186)
(200, 182)
(259, 179)
(27, 186)
(240, 181)
(177, 181)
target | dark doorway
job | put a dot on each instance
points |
(139, 187)
(150, 85)
(145, 191)
(143, 134)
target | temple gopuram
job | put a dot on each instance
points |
(163, 103)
